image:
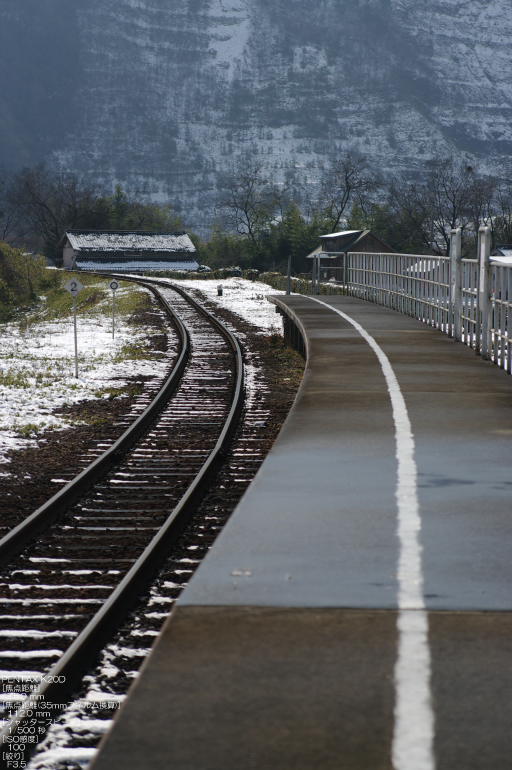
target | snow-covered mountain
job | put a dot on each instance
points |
(175, 93)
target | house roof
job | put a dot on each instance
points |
(315, 252)
(125, 240)
(505, 260)
(133, 265)
(342, 232)
(353, 237)
(505, 250)
(356, 236)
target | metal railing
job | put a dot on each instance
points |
(498, 346)
(468, 299)
(415, 285)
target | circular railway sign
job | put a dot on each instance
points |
(114, 285)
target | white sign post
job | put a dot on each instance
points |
(74, 287)
(114, 285)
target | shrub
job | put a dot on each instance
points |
(23, 277)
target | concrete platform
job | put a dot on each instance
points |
(282, 652)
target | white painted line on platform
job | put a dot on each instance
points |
(413, 735)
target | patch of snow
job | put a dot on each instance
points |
(44, 587)
(127, 652)
(57, 757)
(28, 654)
(160, 600)
(95, 696)
(229, 32)
(28, 602)
(109, 671)
(98, 726)
(37, 373)
(20, 676)
(31, 634)
(247, 299)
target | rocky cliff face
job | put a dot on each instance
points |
(172, 94)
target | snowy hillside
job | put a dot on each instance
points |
(171, 92)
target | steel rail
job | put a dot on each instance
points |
(82, 651)
(149, 282)
(18, 537)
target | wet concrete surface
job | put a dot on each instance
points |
(257, 688)
(314, 541)
(328, 487)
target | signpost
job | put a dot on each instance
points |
(74, 287)
(114, 285)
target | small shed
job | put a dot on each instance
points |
(502, 250)
(127, 251)
(336, 245)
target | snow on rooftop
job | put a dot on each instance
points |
(342, 232)
(139, 241)
(506, 259)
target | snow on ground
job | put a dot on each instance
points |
(37, 372)
(37, 363)
(247, 299)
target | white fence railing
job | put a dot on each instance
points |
(469, 299)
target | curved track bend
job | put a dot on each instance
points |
(103, 535)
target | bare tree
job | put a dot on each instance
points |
(347, 180)
(450, 190)
(12, 224)
(484, 206)
(502, 221)
(249, 204)
(447, 197)
(52, 202)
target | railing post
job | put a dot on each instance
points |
(478, 334)
(484, 299)
(455, 288)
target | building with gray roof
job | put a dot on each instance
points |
(127, 251)
(334, 246)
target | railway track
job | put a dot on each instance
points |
(73, 568)
(71, 742)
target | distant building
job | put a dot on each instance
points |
(338, 244)
(503, 250)
(127, 251)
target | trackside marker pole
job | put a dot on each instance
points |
(74, 287)
(114, 285)
(76, 337)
